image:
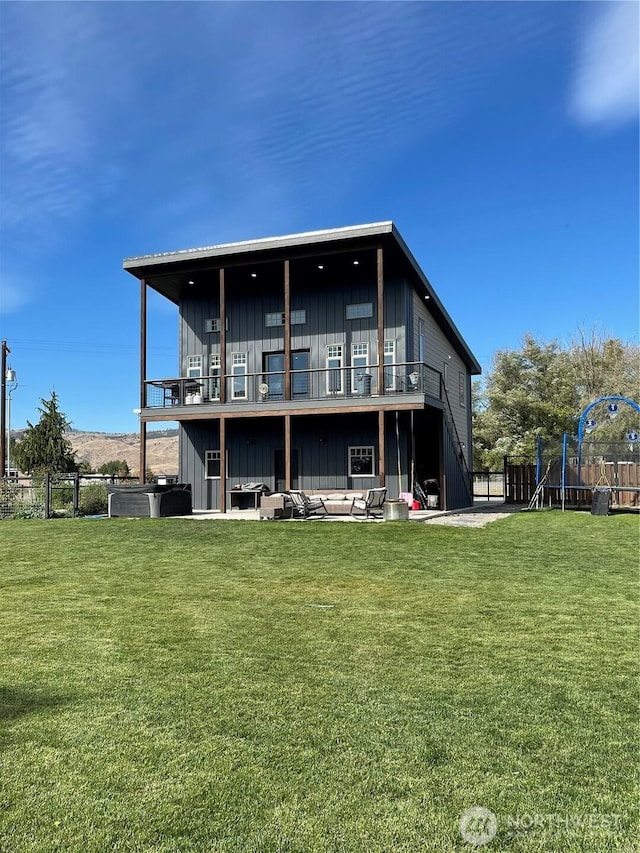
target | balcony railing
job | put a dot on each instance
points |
(326, 383)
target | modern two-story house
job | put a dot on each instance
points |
(312, 361)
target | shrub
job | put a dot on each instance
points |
(34, 510)
(93, 499)
(9, 498)
(61, 496)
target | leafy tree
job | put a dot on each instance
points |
(529, 392)
(541, 390)
(116, 467)
(43, 449)
(603, 366)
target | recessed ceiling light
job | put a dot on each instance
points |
(427, 296)
(320, 266)
(355, 263)
(191, 282)
(254, 275)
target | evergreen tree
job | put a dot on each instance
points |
(43, 449)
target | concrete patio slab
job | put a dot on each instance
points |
(479, 515)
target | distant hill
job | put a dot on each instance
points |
(96, 448)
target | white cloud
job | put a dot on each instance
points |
(61, 78)
(605, 86)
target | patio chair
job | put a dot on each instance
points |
(303, 506)
(370, 505)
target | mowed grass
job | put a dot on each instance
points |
(179, 685)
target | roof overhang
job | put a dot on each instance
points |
(167, 272)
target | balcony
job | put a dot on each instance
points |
(326, 387)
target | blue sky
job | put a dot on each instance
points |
(501, 138)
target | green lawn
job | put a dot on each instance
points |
(179, 685)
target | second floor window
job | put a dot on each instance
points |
(214, 376)
(239, 371)
(360, 375)
(194, 366)
(359, 311)
(334, 369)
(389, 360)
(276, 318)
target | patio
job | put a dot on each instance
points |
(478, 515)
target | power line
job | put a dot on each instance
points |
(81, 346)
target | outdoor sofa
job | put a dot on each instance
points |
(334, 501)
(337, 501)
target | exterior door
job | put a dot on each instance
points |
(279, 472)
(299, 375)
(274, 375)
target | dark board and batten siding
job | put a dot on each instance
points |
(320, 442)
(457, 486)
(440, 352)
(325, 325)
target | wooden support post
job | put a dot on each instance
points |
(143, 378)
(287, 452)
(380, 290)
(223, 340)
(3, 411)
(223, 466)
(287, 333)
(381, 447)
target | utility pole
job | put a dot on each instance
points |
(3, 411)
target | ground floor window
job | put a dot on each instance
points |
(212, 464)
(361, 462)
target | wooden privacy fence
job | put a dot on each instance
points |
(623, 478)
(519, 482)
(618, 476)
